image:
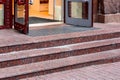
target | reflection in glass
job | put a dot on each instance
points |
(78, 10)
(58, 8)
(20, 13)
(1, 14)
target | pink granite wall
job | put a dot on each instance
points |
(109, 6)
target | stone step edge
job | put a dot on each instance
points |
(58, 63)
(51, 43)
(63, 73)
(27, 56)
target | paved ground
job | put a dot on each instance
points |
(109, 71)
(101, 72)
(11, 37)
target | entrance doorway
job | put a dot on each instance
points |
(45, 11)
(72, 12)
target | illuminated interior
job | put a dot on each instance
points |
(47, 9)
(40, 8)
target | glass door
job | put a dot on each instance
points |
(2, 13)
(78, 12)
(21, 21)
(58, 10)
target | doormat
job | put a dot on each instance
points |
(59, 30)
(34, 20)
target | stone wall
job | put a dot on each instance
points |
(95, 10)
(106, 11)
(109, 6)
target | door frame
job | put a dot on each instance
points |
(7, 14)
(22, 28)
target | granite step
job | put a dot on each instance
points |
(110, 71)
(51, 53)
(59, 42)
(56, 65)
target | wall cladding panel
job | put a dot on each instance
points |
(109, 6)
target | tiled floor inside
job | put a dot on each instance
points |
(34, 20)
(39, 14)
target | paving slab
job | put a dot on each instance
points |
(12, 37)
(57, 63)
(95, 72)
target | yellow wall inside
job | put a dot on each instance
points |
(1, 6)
(58, 2)
(35, 6)
(12, 7)
(20, 9)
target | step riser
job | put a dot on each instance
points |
(102, 61)
(27, 46)
(59, 55)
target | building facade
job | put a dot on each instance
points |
(106, 11)
(77, 12)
